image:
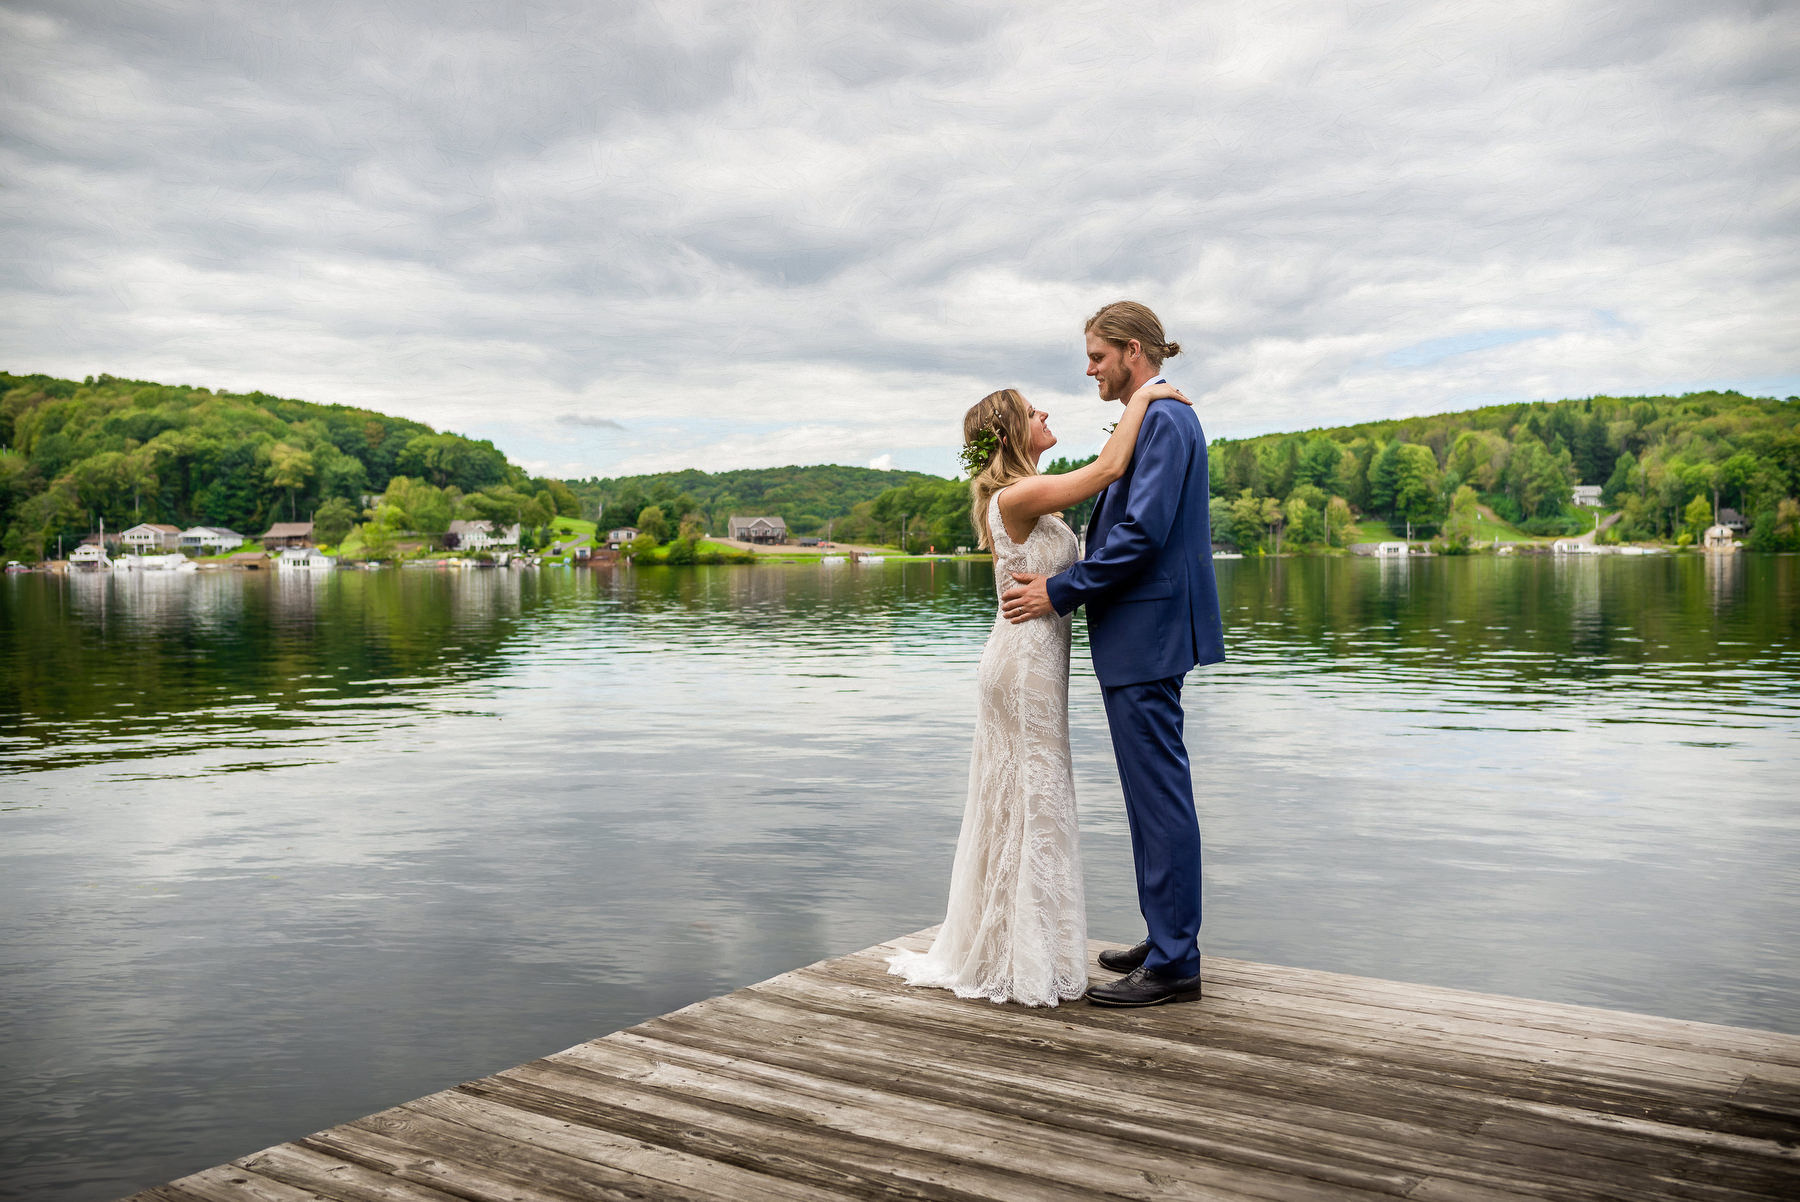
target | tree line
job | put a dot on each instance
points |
(125, 451)
(1667, 464)
(79, 453)
(809, 499)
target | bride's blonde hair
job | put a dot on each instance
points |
(1003, 418)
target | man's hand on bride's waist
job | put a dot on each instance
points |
(1027, 599)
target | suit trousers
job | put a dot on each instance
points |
(1146, 720)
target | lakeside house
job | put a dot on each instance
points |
(1732, 520)
(1390, 550)
(288, 534)
(217, 539)
(1570, 546)
(479, 535)
(756, 529)
(620, 535)
(1587, 494)
(1719, 537)
(304, 558)
(91, 557)
(146, 537)
(249, 561)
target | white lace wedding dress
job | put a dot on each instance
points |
(1016, 927)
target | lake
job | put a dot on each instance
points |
(278, 852)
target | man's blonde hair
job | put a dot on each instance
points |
(1122, 321)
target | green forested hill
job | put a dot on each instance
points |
(804, 497)
(125, 451)
(1664, 462)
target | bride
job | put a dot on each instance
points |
(1016, 926)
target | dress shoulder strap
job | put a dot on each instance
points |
(996, 525)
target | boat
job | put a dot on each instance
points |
(832, 559)
(13, 565)
(174, 561)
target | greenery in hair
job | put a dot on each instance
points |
(979, 451)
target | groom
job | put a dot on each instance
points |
(1153, 613)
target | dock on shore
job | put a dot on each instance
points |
(837, 1081)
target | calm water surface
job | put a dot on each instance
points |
(276, 853)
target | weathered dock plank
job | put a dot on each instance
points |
(837, 1081)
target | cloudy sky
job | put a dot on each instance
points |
(623, 237)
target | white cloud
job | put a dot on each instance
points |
(733, 235)
(882, 463)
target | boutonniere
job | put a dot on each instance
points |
(1111, 428)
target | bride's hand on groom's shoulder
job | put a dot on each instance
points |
(1160, 390)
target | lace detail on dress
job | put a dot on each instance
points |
(1016, 925)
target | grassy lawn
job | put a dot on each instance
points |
(565, 527)
(1488, 527)
(250, 544)
(1371, 532)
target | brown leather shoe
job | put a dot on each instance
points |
(1146, 987)
(1125, 959)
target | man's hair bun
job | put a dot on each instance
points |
(1123, 321)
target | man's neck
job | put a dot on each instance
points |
(1138, 379)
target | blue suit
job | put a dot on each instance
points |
(1153, 614)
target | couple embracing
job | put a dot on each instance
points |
(1016, 925)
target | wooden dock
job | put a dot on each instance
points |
(836, 1081)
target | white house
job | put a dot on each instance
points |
(1719, 538)
(1569, 546)
(756, 530)
(91, 557)
(479, 535)
(621, 535)
(1587, 494)
(151, 536)
(304, 558)
(216, 539)
(1390, 550)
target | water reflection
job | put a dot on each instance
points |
(282, 850)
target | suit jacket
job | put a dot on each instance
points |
(1147, 579)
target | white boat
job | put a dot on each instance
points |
(1227, 554)
(174, 561)
(873, 559)
(832, 559)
